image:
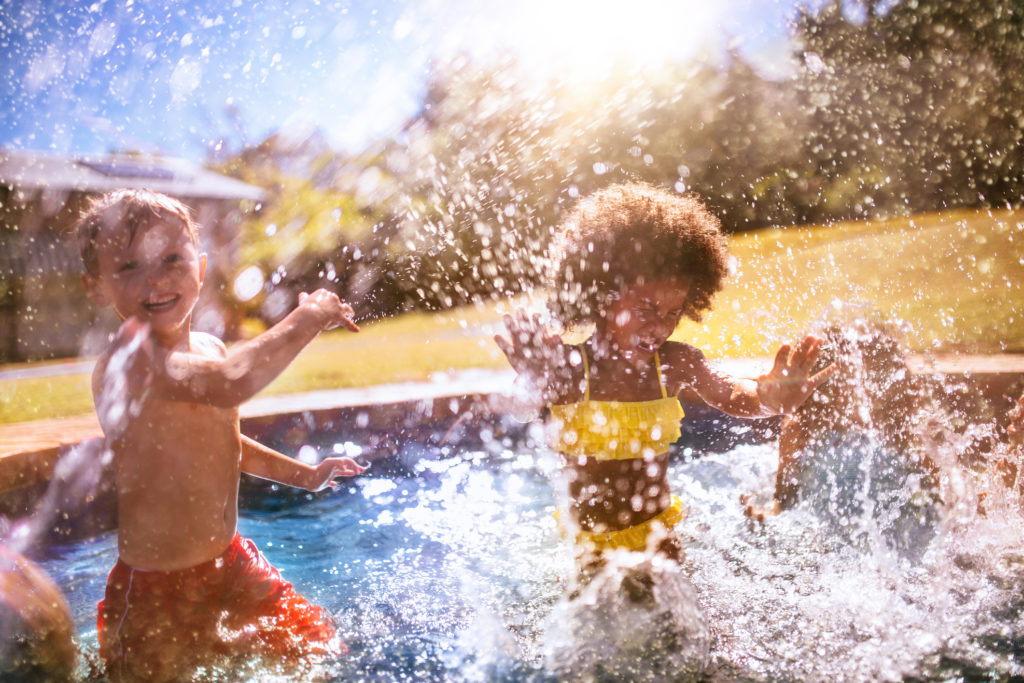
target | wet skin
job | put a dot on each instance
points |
(636, 322)
(617, 494)
(177, 490)
(178, 453)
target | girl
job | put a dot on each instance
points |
(633, 260)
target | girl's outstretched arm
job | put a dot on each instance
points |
(537, 354)
(778, 392)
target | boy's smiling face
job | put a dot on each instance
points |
(154, 276)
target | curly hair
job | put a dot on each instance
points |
(627, 231)
(132, 208)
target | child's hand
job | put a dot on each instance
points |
(756, 512)
(127, 377)
(332, 311)
(533, 351)
(790, 382)
(1015, 430)
(331, 468)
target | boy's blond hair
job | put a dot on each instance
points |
(133, 208)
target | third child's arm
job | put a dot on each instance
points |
(266, 463)
(232, 377)
(1015, 430)
(793, 439)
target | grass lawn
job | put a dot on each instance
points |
(956, 277)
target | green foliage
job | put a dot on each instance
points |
(317, 225)
(914, 107)
(898, 108)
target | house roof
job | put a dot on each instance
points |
(101, 173)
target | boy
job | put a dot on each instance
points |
(187, 587)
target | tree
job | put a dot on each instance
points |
(915, 107)
(318, 226)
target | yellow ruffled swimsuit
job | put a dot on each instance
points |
(619, 430)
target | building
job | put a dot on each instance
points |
(44, 311)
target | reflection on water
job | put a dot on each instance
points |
(451, 568)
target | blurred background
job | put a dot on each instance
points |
(416, 156)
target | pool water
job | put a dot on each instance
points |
(448, 565)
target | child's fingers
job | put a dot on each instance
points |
(820, 378)
(347, 322)
(814, 351)
(348, 467)
(781, 360)
(522, 331)
(504, 345)
(523, 318)
(806, 351)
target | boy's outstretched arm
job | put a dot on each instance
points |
(778, 392)
(266, 463)
(233, 376)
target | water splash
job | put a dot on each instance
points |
(639, 619)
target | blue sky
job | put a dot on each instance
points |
(179, 76)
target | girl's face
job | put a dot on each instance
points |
(643, 315)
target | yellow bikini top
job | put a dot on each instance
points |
(616, 430)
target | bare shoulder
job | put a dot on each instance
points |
(207, 345)
(682, 360)
(99, 370)
(686, 365)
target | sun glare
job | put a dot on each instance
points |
(581, 40)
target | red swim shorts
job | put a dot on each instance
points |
(158, 625)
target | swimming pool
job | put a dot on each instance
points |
(446, 564)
